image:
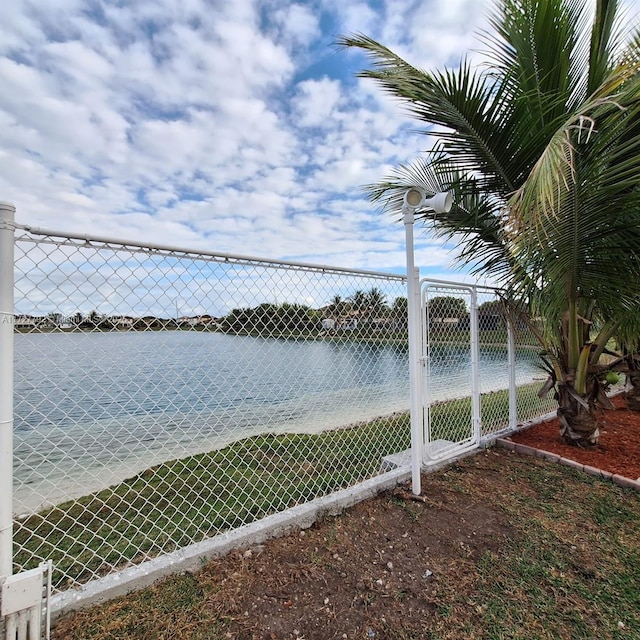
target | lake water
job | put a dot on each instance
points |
(94, 408)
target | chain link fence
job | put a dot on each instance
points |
(497, 377)
(472, 372)
(164, 396)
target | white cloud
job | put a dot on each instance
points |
(298, 23)
(356, 16)
(315, 101)
(228, 126)
(432, 35)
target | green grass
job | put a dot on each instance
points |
(561, 559)
(451, 420)
(179, 502)
(184, 501)
(574, 564)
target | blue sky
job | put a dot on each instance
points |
(231, 126)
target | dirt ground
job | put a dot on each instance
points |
(397, 567)
(379, 562)
(364, 571)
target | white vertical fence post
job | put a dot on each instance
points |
(415, 333)
(476, 413)
(7, 228)
(511, 354)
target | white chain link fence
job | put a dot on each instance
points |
(496, 378)
(165, 396)
(505, 381)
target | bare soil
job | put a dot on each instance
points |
(362, 571)
(379, 570)
(494, 548)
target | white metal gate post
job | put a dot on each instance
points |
(416, 198)
(415, 334)
(7, 229)
(511, 355)
(476, 416)
(21, 596)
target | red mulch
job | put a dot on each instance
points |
(618, 450)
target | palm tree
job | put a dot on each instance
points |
(376, 301)
(542, 149)
(400, 312)
(94, 318)
(336, 306)
(359, 301)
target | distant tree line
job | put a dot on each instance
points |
(272, 318)
(364, 311)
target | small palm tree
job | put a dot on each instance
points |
(376, 301)
(336, 306)
(542, 150)
(359, 301)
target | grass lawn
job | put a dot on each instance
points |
(187, 500)
(500, 546)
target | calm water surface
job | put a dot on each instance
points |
(94, 408)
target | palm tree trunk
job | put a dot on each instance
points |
(576, 410)
(632, 396)
(578, 421)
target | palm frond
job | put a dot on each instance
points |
(475, 222)
(541, 147)
(474, 114)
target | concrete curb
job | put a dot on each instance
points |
(524, 450)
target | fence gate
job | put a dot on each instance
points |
(450, 385)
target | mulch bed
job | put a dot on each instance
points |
(618, 450)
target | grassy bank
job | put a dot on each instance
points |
(184, 501)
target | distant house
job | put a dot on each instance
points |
(444, 323)
(348, 323)
(122, 322)
(198, 321)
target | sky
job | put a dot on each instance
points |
(228, 126)
(231, 126)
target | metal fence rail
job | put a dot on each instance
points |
(163, 396)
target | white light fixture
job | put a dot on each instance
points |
(416, 198)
